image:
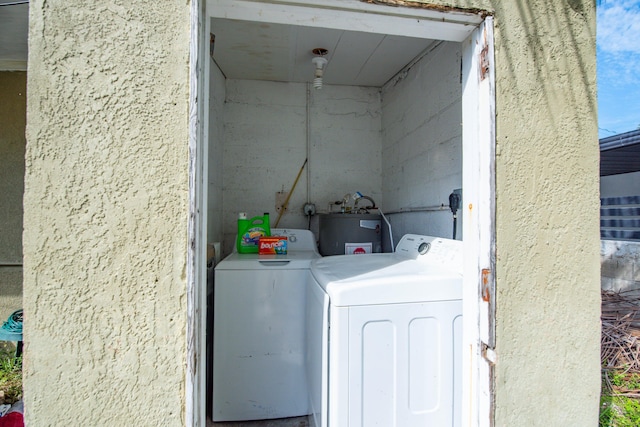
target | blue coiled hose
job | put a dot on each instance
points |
(14, 323)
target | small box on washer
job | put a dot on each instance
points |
(272, 245)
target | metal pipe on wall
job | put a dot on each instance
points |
(308, 124)
(436, 208)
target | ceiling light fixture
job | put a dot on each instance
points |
(320, 62)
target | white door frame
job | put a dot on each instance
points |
(478, 208)
(195, 376)
(478, 99)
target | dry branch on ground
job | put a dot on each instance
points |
(620, 343)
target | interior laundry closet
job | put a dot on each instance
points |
(385, 121)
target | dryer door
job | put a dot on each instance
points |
(404, 364)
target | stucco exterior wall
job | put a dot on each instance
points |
(547, 213)
(13, 115)
(106, 212)
(106, 201)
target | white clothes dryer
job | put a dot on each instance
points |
(258, 332)
(384, 336)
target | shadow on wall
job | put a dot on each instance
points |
(552, 126)
(547, 56)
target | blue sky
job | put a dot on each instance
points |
(618, 56)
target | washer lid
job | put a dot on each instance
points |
(291, 261)
(384, 279)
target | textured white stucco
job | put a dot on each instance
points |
(106, 212)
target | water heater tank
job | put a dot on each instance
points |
(345, 233)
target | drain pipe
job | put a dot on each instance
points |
(309, 208)
(308, 136)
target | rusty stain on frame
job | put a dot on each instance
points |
(486, 285)
(484, 58)
(430, 6)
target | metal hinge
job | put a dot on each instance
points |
(487, 293)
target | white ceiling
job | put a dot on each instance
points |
(266, 51)
(278, 52)
(14, 27)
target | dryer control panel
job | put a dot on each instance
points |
(446, 253)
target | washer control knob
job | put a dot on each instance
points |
(424, 248)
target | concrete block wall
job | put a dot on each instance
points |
(215, 139)
(345, 144)
(265, 145)
(422, 142)
(385, 148)
(620, 265)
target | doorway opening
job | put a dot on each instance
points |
(405, 114)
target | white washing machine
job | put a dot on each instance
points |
(384, 336)
(259, 332)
